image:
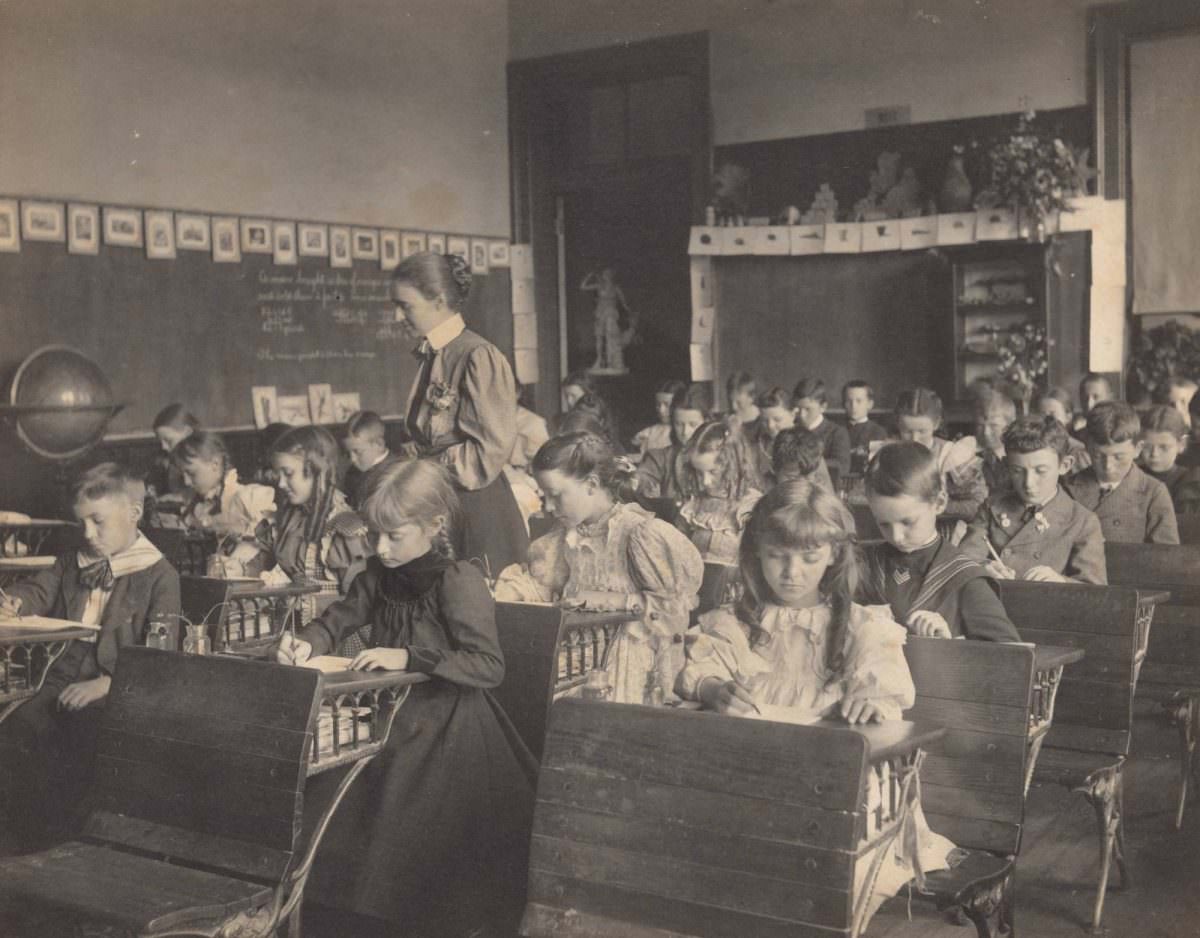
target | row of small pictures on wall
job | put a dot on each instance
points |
(227, 237)
(320, 406)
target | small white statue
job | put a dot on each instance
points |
(610, 338)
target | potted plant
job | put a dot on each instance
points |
(1034, 174)
(1023, 361)
(1160, 354)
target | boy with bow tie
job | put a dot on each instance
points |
(1133, 508)
(119, 582)
(1035, 531)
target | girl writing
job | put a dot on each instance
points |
(930, 585)
(658, 435)
(433, 837)
(918, 418)
(165, 488)
(718, 495)
(608, 554)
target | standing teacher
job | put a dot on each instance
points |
(462, 409)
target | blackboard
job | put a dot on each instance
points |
(203, 333)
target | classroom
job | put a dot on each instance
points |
(599, 468)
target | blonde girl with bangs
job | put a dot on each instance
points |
(433, 838)
(797, 641)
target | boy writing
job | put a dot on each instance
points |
(796, 454)
(1093, 389)
(1035, 531)
(1132, 507)
(366, 445)
(119, 582)
(858, 398)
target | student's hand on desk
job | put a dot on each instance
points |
(1000, 570)
(84, 693)
(928, 624)
(292, 650)
(381, 659)
(10, 607)
(1044, 574)
(860, 710)
(726, 697)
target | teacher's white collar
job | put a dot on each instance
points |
(445, 332)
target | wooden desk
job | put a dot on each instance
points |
(13, 569)
(25, 659)
(243, 616)
(20, 540)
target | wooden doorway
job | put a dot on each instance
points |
(610, 163)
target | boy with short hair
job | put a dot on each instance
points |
(811, 400)
(1035, 531)
(365, 442)
(858, 399)
(1132, 507)
(1180, 391)
(1164, 438)
(796, 454)
(1094, 389)
(118, 583)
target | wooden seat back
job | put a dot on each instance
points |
(203, 760)
(973, 779)
(1173, 655)
(659, 821)
(1094, 711)
(546, 652)
(201, 599)
(721, 585)
(185, 551)
(1189, 528)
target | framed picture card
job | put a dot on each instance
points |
(498, 254)
(160, 235)
(266, 405)
(436, 244)
(345, 405)
(339, 247)
(256, 236)
(43, 221)
(479, 257)
(192, 232)
(389, 250)
(226, 247)
(122, 227)
(83, 229)
(284, 233)
(293, 410)
(312, 240)
(10, 229)
(459, 246)
(364, 244)
(320, 403)
(414, 243)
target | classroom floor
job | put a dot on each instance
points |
(1058, 865)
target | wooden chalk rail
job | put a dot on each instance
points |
(198, 825)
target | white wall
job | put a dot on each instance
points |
(388, 112)
(786, 68)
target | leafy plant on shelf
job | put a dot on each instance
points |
(1034, 173)
(1023, 358)
(1163, 352)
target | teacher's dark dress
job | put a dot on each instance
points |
(466, 419)
(435, 834)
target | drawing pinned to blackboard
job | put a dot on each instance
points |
(266, 405)
(345, 405)
(122, 227)
(339, 247)
(389, 250)
(160, 236)
(10, 233)
(414, 243)
(479, 257)
(192, 232)
(293, 410)
(256, 236)
(320, 403)
(83, 229)
(43, 221)
(437, 244)
(459, 246)
(226, 248)
(364, 244)
(498, 255)
(312, 240)
(285, 242)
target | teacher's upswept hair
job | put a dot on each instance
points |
(434, 275)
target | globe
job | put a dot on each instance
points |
(60, 401)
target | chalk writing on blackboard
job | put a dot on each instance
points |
(272, 355)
